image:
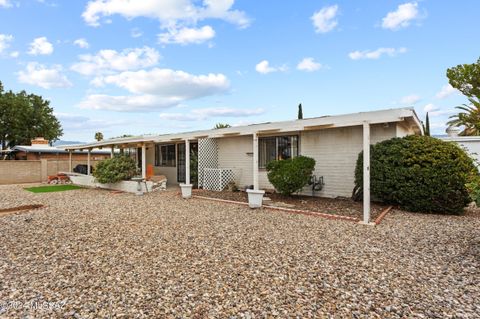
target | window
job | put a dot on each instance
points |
(277, 148)
(165, 155)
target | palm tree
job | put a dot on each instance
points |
(469, 118)
(221, 125)
(99, 136)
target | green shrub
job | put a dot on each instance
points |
(112, 170)
(473, 187)
(419, 173)
(290, 175)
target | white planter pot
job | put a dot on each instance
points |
(255, 198)
(186, 190)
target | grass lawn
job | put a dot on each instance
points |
(52, 188)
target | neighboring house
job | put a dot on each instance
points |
(241, 153)
(471, 144)
(41, 149)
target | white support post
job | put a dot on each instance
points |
(255, 161)
(144, 160)
(187, 162)
(70, 160)
(112, 152)
(366, 173)
(88, 161)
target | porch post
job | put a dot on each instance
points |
(88, 161)
(366, 172)
(144, 160)
(112, 151)
(255, 161)
(70, 160)
(187, 162)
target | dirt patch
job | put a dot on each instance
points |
(12, 210)
(334, 206)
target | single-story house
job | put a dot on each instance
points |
(240, 153)
(41, 149)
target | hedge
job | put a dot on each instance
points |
(418, 173)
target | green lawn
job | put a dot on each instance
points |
(52, 188)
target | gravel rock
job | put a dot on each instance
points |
(94, 254)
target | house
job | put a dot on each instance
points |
(241, 153)
(41, 149)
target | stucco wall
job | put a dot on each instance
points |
(335, 151)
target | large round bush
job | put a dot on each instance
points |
(115, 169)
(419, 173)
(290, 175)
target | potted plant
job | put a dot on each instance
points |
(255, 198)
(186, 190)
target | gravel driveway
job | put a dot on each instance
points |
(94, 254)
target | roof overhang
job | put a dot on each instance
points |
(406, 115)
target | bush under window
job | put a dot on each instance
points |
(291, 175)
(418, 173)
(115, 169)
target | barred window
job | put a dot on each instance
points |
(277, 148)
(165, 155)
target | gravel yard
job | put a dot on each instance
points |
(334, 206)
(94, 254)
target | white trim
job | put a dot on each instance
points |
(346, 120)
(366, 172)
(255, 161)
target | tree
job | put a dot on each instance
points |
(468, 117)
(221, 125)
(466, 79)
(300, 112)
(99, 136)
(26, 116)
(426, 126)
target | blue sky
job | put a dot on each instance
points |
(139, 67)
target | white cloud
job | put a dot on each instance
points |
(376, 54)
(5, 40)
(14, 54)
(81, 43)
(128, 103)
(324, 20)
(47, 78)
(5, 4)
(430, 108)
(446, 91)
(264, 67)
(309, 65)
(179, 18)
(107, 61)
(172, 83)
(187, 35)
(40, 46)
(203, 114)
(410, 99)
(402, 17)
(156, 89)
